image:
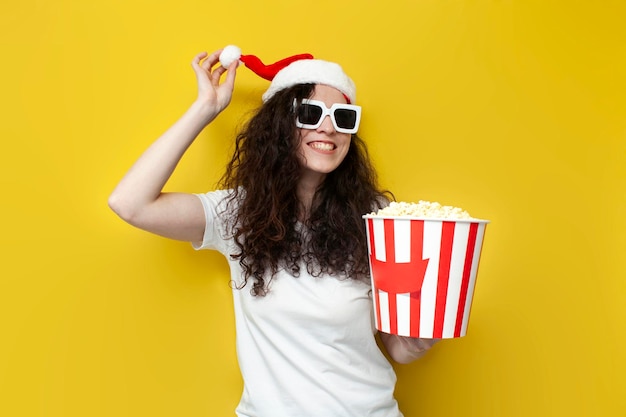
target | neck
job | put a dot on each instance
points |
(307, 186)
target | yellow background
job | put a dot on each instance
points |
(513, 110)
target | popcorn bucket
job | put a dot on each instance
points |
(423, 273)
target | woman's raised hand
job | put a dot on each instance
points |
(138, 198)
(213, 96)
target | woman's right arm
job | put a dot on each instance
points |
(138, 197)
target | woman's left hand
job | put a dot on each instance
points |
(406, 349)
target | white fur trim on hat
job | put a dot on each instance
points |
(312, 71)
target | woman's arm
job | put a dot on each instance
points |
(406, 349)
(138, 198)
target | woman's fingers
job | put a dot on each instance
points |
(203, 63)
(209, 73)
(195, 62)
(206, 65)
(230, 75)
(211, 60)
(216, 74)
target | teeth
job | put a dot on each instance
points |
(323, 146)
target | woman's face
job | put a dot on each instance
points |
(323, 149)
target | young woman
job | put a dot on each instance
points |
(288, 220)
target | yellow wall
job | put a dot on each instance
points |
(514, 110)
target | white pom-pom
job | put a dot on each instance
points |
(229, 54)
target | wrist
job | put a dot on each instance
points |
(203, 111)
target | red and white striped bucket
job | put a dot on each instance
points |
(423, 274)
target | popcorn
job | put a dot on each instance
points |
(425, 209)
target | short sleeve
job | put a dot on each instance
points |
(215, 237)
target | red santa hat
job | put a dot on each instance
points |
(296, 69)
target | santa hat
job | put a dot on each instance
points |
(296, 69)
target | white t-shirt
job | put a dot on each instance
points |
(307, 348)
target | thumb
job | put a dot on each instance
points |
(231, 74)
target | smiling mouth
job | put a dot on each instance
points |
(322, 146)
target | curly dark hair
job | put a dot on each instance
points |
(264, 173)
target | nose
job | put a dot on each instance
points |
(327, 125)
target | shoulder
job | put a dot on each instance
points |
(218, 200)
(218, 212)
